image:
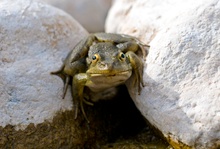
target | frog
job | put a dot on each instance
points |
(100, 62)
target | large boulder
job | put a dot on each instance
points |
(90, 14)
(181, 97)
(35, 37)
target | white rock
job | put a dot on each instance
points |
(90, 14)
(182, 93)
(34, 39)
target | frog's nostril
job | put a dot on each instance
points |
(102, 64)
(105, 66)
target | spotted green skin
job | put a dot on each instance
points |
(99, 62)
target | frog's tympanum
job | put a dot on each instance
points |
(100, 62)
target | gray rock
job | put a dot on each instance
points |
(90, 14)
(34, 39)
(182, 93)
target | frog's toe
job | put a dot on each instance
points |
(66, 83)
(87, 102)
(76, 107)
(83, 111)
(139, 89)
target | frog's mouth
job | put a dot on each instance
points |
(107, 74)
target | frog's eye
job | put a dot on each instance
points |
(122, 56)
(95, 57)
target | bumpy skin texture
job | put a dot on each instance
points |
(100, 62)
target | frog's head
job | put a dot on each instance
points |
(105, 59)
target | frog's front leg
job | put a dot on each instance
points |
(78, 84)
(65, 70)
(137, 66)
(134, 47)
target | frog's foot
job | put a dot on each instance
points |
(138, 82)
(64, 77)
(83, 111)
(145, 48)
(66, 83)
(141, 83)
(87, 102)
(76, 107)
(59, 73)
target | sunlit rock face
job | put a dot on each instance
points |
(181, 97)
